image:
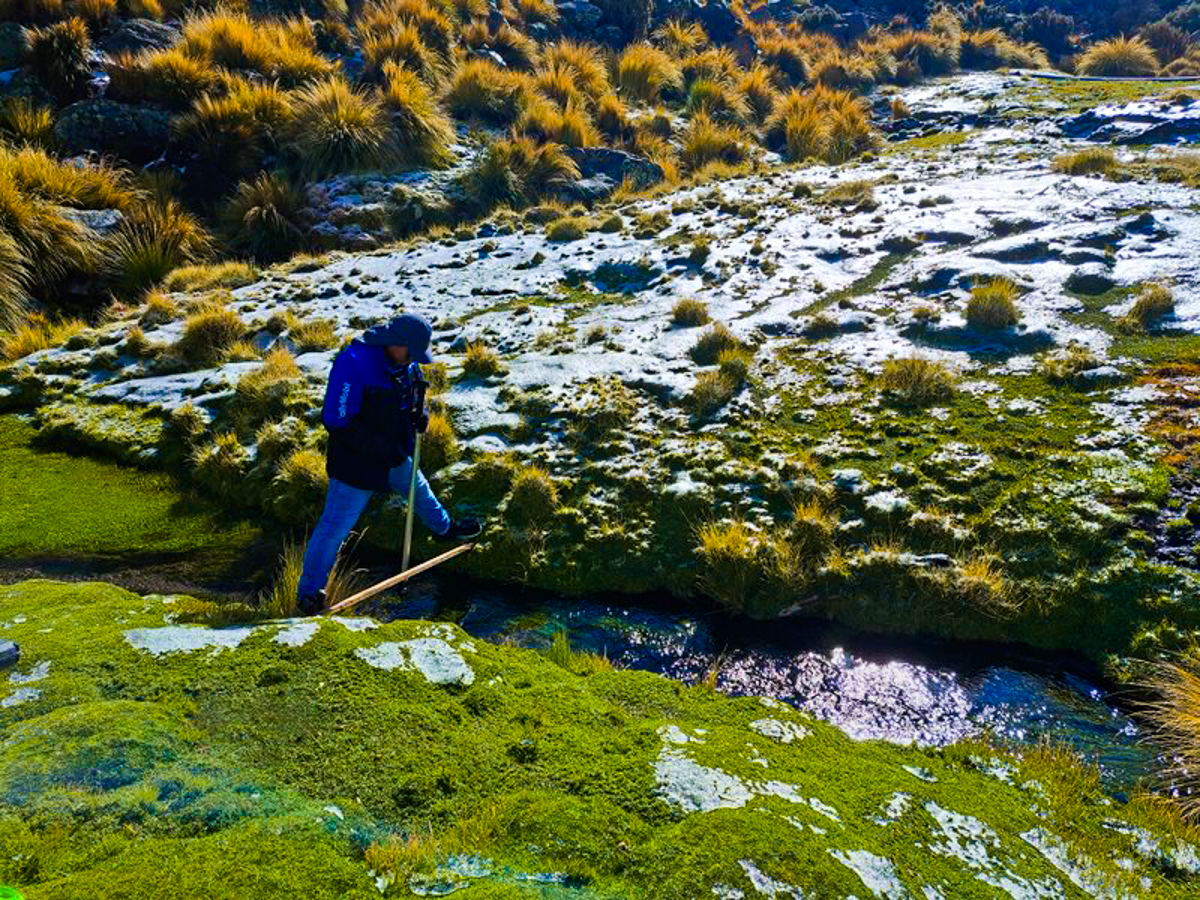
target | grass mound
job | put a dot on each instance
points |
(993, 305)
(1119, 57)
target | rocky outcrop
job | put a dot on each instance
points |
(138, 134)
(135, 35)
(13, 45)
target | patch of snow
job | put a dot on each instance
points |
(439, 662)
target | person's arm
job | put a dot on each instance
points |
(343, 400)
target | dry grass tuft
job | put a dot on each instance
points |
(993, 305)
(917, 381)
(647, 74)
(1119, 57)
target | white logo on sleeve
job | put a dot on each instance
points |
(343, 400)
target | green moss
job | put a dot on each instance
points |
(61, 505)
(148, 773)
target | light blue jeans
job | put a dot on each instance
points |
(343, 505)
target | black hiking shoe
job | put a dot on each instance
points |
(461, 530)
(312, 604)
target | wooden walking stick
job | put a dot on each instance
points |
(412, 498)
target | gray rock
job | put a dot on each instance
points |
(134, 35)
(134, 133)
(13, 45)
(615, 165)
(102, 221)
(1090, 279)
(10, 654)
(580, 15)
(413, 208)
(587, 190)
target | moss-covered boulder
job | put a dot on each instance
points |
(144, 756)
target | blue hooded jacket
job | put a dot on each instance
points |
(369, 414)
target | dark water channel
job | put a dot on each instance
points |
(930, 692)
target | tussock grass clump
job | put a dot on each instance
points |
(991, 48)
(993, 305)
(230, 134)
(402, 45)
(48, 246)
(151, 242)
(14, 296)
(828, 125)
(917, 381)
(1118, 57)
(856, 195)
(718, 100)
(706, 141)
(584, 62)
(570, 125)
(647, 74)
(612, 119)
(159, 309)
(730, 554)
(59, 57)
(1154, 302)
(209, 334)
(481, 360)
(786, 56)
(220, 468)
(759, 91)
(439, 444)
(709, 346)
(282, 51)
(432, 21)
(167, 77)
(263, 219)
(1168, 41)
(923, 54)
(424, 133)
(21, 122)
(518, 172)
(1066, 366)
(1092, 161)
(210, 276)
(567, 229)
(533, 498)
(482, 90)
(1172, 714)
(262, 394)
(712, 390)
(689, 312)
(979, 582)
(716, 64)
(679, 37)
(36, 332)
(314, 335)
(82, 186)
(336, 128)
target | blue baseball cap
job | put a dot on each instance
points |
(408, 331)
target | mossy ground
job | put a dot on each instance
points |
(146, 771)
(61, 505)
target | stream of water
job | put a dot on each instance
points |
(872, 687)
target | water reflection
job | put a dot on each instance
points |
(871, 687)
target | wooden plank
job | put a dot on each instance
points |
(374, 589)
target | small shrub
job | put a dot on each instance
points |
(210, 276)
(710, 345)
(208, 335)
(689, 312)
(533, 498)
(566, 230)
(1092, 161)
(439, 445)
(263, 219)
(481, 360)
(336, 128)
(917, 381)
(1168, 42)
(314, 335)
(1153, 303)
(646, 73)
(59, 57)
(993, 305)
(1118, 57)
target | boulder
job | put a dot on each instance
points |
(1091, 279)
(413, 209)
(134, 35)
(615, 165)
(13, 45)
(101, 221)
(138, 134)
